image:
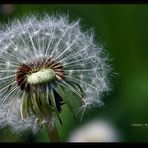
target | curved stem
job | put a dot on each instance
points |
(53, 134)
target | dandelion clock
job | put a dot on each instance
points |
(41, 59)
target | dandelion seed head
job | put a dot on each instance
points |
(39, 59)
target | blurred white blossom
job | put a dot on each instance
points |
(98, 130)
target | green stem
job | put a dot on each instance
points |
(53, 134)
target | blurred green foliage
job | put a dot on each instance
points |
(123, 30)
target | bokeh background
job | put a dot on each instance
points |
(123, 30)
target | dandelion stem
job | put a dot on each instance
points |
(53, 134)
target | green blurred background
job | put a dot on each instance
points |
(123, 30)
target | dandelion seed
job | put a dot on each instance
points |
(47, 58)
